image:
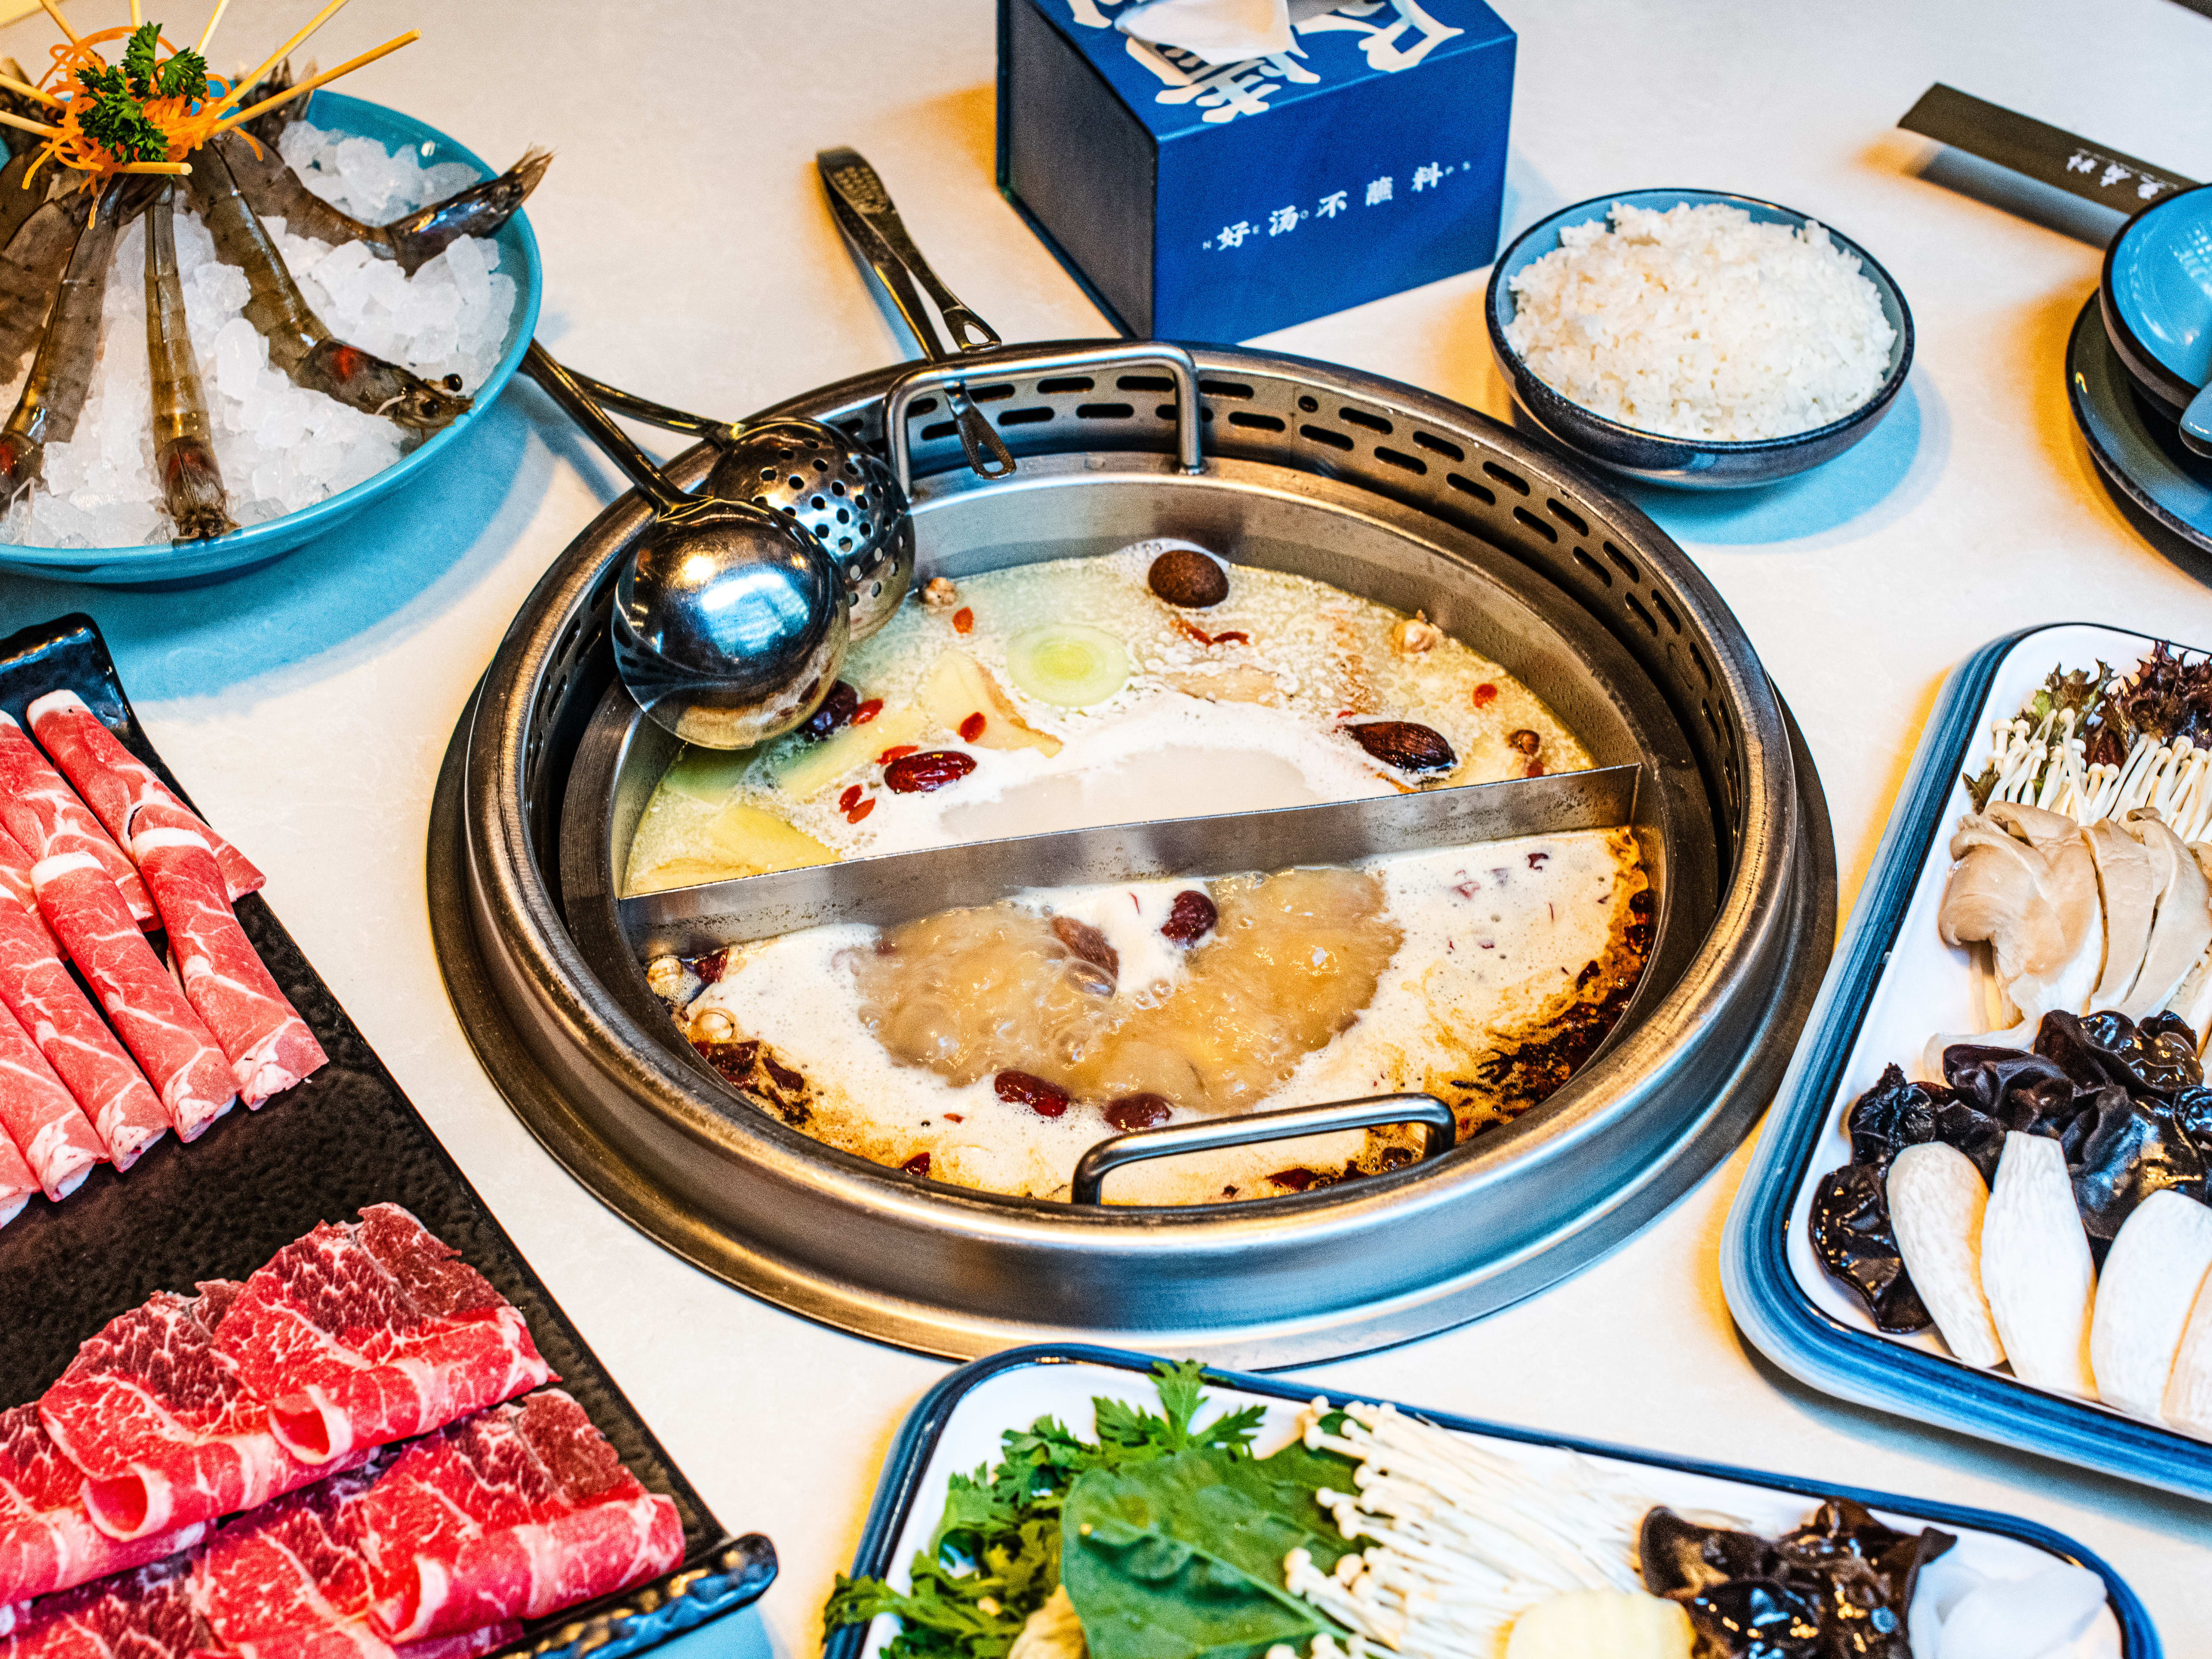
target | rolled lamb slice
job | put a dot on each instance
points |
(39, 1114)
(515, 1513)
(116, 784)
(43, 814)
(17, 1183)
(161, 1423)
(146, 1613)
(16, 881)
(48, 1541)
(291, 1580)
(362, 1335)
(268, 1044)
(106, 1082)
(180, 1054)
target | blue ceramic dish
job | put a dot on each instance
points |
(966, 1412)
(1684, 462)
(2156, 297)
(161, 563)
(2135, 443)
(1765, 1281)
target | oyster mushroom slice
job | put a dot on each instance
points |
(2036, 1269)
(2183, 927)
(2130, 899)
(2026, 883)
(1936, 1201)
(2150, 1280)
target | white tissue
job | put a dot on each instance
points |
(1219, 31)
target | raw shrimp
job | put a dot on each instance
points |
(61, 374)
(17, 201)
(31, 271)
(299, 344)
(184, 458)
(277, 192)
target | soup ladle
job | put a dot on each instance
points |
(730, 623)
(832, 485)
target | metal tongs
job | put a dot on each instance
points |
(865, 214)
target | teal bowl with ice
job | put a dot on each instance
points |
(189, 563)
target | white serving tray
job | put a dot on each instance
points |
(1894, 985)
(957, 1425)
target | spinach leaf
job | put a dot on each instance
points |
(995, 1556)
(1181, 1557)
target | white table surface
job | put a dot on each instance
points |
(689, 255)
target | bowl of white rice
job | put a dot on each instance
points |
(295, 463)
(1695, 338)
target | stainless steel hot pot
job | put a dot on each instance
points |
(1374, 487)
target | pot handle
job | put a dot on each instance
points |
(1212, 1136)
(1152, 354)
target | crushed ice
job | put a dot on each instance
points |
(282, 448)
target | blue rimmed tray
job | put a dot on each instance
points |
(957, 1424)
(1891, 978)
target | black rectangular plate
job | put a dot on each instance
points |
(219, 1208)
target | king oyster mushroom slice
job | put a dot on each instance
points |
(1936, 1201)
(2150, 1280)
(2130, 899)
(2024, 882)
(2026, 1617)
(2036, 1269)
(2187, 1405)
(2183, 925)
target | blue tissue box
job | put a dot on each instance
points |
(1216, 201)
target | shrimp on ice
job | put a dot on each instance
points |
(184, 455)
(30, 270)
(19, 195)
(53, 396)
(300, 344)
(276, 191)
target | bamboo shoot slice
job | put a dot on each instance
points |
(2036, 1269)
(1619, 1624)
(1936, 1201)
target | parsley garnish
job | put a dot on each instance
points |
(115, 117)
(995, 1556)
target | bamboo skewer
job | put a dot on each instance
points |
(29, 125)
(240, 117)
(30, 91)
(54, 12)
(208, 34)
(246, 82)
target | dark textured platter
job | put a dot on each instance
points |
(345, 1138)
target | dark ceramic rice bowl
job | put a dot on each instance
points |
(1655, 458)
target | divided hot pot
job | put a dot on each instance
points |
(1372, 487)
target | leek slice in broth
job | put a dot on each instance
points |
(1068, 664)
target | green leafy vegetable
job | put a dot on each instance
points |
(1181, 1557)
(994, 1557)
